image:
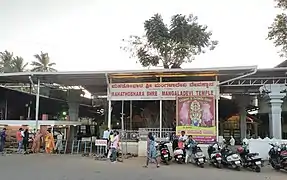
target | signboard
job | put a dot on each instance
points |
(196, 116)
(164, 90)
(101, 142)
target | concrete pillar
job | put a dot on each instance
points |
(73, 98)
(275, 125)
(242, 101)
(275, 93)
(74, 102)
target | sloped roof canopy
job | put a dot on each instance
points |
(96, 81)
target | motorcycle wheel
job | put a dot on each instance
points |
(219, 165)
(274, 166)
(238, 168)
(201, 165)
(166, 162)
(257, 169)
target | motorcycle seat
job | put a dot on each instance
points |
(252, 154)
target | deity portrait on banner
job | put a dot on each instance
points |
(195, 113)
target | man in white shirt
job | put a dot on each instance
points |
(22, 133)
(106, 136)
(182, 137)
(114, 146)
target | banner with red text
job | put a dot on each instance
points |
(164, 90)
(196, 116)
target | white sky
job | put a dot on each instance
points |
(87, 34)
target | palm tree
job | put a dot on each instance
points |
(18, 64)
(43, 63)
(6, 59)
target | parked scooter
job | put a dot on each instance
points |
(179, 155)
(214, 154)
(164, 152)
(198, 157)
(278, 156)
(249, 160)
(230, 159)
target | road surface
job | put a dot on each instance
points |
(66, 167)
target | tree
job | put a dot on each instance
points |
(6, 59)
(170, 46)
(18, 64)
(43, 63)
(278, 30)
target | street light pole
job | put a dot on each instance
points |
(37, 104)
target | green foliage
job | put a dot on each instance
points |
(10, 63)
(6, 59)
(18, 64)
(278, 30)
(43, 63)
(170, 46)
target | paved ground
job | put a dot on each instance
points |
(65, 167)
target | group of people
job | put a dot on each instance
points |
(113, 140)
(187, 143)
(184, 142)
(24, 137)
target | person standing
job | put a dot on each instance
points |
(59, 143)
(37, 142)
(181, 140)
(151, 150)
(26, 141)
(19, 138)
(190, 144)
(2, 140)
(49, 142)
(114, 146)
(232, 141)
(106, 136)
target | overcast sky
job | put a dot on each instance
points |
(86, 34)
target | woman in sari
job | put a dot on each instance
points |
(151, 150)
(49, 142)
(37, 142)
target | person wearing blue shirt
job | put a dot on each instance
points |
(2, 140)
(189, 148)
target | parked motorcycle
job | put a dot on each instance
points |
(214, 154)
(164, 152)
(179, 155)
(249, 160)
(198, 157)
(278, 156)
(230, 158)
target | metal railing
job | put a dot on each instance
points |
(134, 135)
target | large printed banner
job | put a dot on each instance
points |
(164, 90)
(196, 116)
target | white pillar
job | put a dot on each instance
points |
(122, 116)
(110, 114)
(37, 104)
(160, 119)
(275, 92)
(275, 125)
(217, 96)
(160, 113)
(131, 115)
